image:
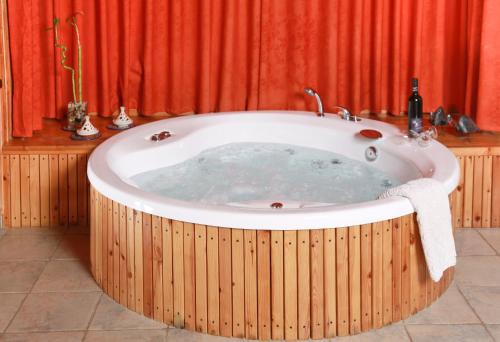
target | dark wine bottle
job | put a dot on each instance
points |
(415, 105)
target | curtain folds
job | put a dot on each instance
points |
(220, 55)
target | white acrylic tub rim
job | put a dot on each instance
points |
(437, 162)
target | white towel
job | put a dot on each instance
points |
(430, 201)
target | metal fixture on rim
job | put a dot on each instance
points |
(371, 153)
(312, 92)
(161, 136)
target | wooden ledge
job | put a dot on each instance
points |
(52, 139)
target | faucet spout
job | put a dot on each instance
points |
(312, 92)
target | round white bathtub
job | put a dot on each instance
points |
(125, 155)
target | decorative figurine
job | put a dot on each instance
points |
(77, 109)
(87, 131)
(122, 121)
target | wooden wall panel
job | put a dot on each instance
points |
(61, 186)
(261, 284)
(45, 189)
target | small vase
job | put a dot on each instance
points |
(75, 116)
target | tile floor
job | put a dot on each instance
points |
(48, 294)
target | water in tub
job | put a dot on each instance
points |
(257, 174)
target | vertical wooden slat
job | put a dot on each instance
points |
(387, 271)
(225, 281)
(44, 191)
(477, 192)
(213, 280)
(116, 251)
(355, 279)
(168, 282)
(277, 285)
(82, 188)
(72, 189)
(458, 195)
(130, 259)
(54, 189)
(366, 277)
(377, 275)
(250, 250)
(98, 237)
(304, 285)
(317, 284)
(123, 254)
(238, 273)
(495, 194)
(111, 248)
(290, 283)
(63, 189)
(201, 277)
(34, 186)
(189, 278)
(330, 269)
(92, 231)
(264, 283)
(414, 276)
(486, 200)
(6, 188)
(178, 272)
(468, 191)
(342, 268)
(405, 266)
(147, 268)
(157, 268)
(422, 269)
(138, 262)
(105, 250)
(15, 191)
(25, 190)
(396, 269)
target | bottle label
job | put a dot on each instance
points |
(416, 125)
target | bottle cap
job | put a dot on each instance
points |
(414, 82)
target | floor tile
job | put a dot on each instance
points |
(448, 333)
(73, 246)
(113, 316)
(9, 304)
(55, 312)
(478, 271)
(19, 276)
(492, 235)
(127, 335)
(470, 242)
(28, 247)
(61, 336)
(66, 275)
(181, 335)
(485, 301)
(450, 308)
(391, 333)
(494, 330)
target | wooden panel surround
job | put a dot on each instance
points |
(260, 284)
(25, 184)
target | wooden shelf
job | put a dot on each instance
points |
(53, 138)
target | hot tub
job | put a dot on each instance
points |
(302, 262)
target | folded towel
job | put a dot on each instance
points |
(430, 201)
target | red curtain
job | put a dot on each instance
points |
(220, 55)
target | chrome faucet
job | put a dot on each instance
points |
(344, 113)
(312, 92)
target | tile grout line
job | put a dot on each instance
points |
(92, 317)
(27, 294)
(487, 242)
(475, 313)
(407, 332)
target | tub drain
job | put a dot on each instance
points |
(371, 153)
